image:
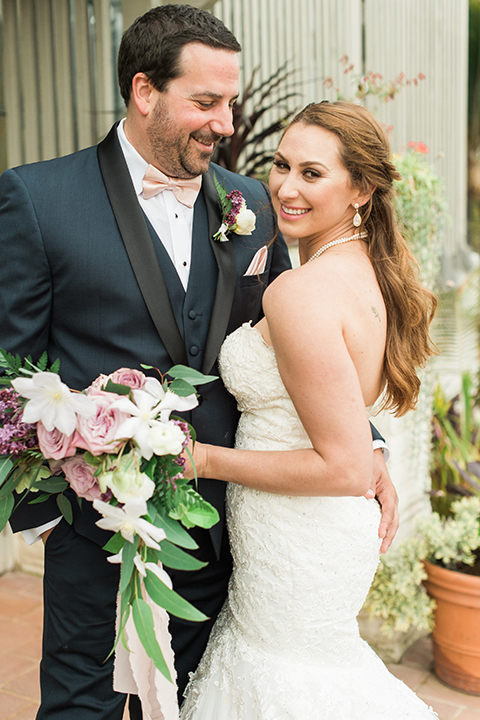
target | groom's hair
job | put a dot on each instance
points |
(153, 44)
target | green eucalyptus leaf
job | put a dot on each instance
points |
(6, 465)
(6, 507)
(181, 388)
(40, 498)
(129, 552)
(190, 375)
(125, 607)
(143, 619)
(115, 544)
(174, 531)
(173, 603)
(173, 557)
(204, 516)
(117, 388)
(52, 484)
(91, 459)
(65, 508)
(10, 484)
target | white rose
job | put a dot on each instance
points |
(126, 481)
(245, 222)
(166, 439)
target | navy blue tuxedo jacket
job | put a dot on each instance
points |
(84, 277)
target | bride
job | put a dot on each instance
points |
(346, 329)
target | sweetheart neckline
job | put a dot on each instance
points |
(248, 326)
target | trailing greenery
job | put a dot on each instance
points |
(421, 209)
(397, 594)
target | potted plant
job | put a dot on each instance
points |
(432, 580)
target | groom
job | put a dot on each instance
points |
(104, 270)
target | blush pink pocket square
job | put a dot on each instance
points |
(257, 266)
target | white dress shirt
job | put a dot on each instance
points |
(171, 220)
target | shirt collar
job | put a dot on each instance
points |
(137, 166)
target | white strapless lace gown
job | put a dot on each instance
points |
(286, 645)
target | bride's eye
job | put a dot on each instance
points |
(312, 174)
(280, 165)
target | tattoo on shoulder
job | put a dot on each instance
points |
(375, 312)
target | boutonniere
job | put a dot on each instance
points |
(236, 217)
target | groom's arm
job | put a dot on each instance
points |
(25, 301)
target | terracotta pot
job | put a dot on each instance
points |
(456, 637)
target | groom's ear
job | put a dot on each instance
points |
(143, 94)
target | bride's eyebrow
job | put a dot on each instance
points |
(308, 163)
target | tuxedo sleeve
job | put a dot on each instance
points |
(25, 301)
(375, 434)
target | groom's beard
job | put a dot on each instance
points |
(176, 152)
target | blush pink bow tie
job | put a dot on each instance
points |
(186, 191)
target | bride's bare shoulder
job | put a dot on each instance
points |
(320, 280)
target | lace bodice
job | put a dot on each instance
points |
(286, 645)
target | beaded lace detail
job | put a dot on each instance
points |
(286, 645)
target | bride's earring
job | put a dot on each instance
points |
(357, 218)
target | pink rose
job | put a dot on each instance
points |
(97, 384)
(79, 474)
(133, 378)
(55, 444)
(97, 433)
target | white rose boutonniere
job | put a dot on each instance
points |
(236, 217)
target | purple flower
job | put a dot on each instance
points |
(235, 196)
(16, 437)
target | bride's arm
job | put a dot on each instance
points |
(306, 329)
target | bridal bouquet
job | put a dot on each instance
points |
(116, 445)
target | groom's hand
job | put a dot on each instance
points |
(384, 490)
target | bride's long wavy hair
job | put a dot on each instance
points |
(365, 153)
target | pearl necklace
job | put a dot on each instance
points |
(338, 241)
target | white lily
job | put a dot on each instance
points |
(169, 401)
(150, 408)
(128, 521)
(143, 414)
(173, 402)
(143, 566)
(116, 559)
(52, 402)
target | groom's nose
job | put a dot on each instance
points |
(222, 122)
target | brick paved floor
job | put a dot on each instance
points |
(20, 647)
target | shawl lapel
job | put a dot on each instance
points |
(136, 238)
(225, 256)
